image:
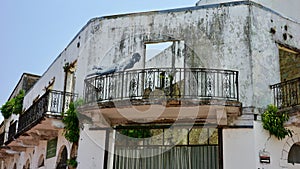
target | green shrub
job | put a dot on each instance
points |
(7, 109)
(18, 102)
(72, 162)
(273, 121)
(13, 106)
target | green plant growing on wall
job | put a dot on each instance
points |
(273, 121)
(13, 106)
(18, 102)
(71, 129)
(72, 162)
(7, 109)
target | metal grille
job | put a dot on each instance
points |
(2, 138)
(170, 83)
(12, 131)
(167, 148)
(178, 157)
(51, 103)
(287, 93)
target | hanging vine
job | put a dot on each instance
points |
(71, 129)
(273, 121)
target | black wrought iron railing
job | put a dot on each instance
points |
(51, 103)
(287, 93)
(2, 136)
(12, 131)
(170, 83)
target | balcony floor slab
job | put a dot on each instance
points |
(183, 111)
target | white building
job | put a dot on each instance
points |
(192, 105)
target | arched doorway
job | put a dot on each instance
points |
(27, 165)
(62, 158)
(41, 161)
(294, 154)
(73, 156)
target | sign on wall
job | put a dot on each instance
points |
(264, 157)
(51, 148)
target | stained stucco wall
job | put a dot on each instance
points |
(265, 53)
(210, 34)
(225, 37)
(287, 8)
(219, 37)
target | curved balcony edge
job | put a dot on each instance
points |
(170, 84)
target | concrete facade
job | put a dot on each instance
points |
(238, 35)
(288, 9)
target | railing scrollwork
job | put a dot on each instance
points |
(51, 103)
(287, 93)
(170, 83)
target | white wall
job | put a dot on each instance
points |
(220, 37)
(210, 33)
(287, 8)
(241, 147)
(91, 148)
(278, 149)
(264, 51)
(238, 149)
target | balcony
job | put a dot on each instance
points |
(52, 103)
(12, 131)
(178, 83)
(170, 87)
(287, 93)
(39, 115)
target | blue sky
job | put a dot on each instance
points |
(34, 32)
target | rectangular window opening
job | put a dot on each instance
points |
(164, 54)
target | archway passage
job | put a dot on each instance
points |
(294, 154)
(27, 165)
(41, 161)
(62, 158)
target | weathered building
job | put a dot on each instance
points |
(192, 104)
